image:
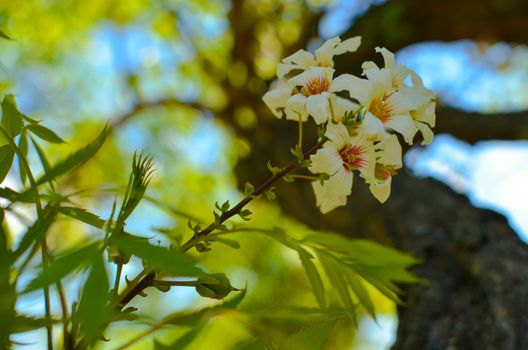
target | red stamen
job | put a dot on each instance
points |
(381, 109)
(316, 86)
(351, 156)
(383, 172)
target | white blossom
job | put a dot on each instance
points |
(388, 160)
(339, 157)
(360, 128)
(324, 56)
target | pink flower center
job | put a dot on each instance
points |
(315, 86)
(383, 172)
(380, 108)
(352, 156)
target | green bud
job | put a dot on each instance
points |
(117, 256)
(215, 286)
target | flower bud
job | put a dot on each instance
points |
(216, 286)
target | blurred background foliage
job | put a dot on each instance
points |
(183, 80)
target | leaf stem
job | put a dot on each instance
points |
(331, 110)
(175, 283)
(300, 132)
(119, 269)
(305, 177)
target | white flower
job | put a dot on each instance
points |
(303, 60)
(277, 101)
(424, 116)
(339, 157)
(308, 93)
(394, 74)
(388, 160)
(385, 107)
(398, 72)
(341, 107)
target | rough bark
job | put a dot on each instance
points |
(477, 291)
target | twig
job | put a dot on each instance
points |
(141, 106)
(148, 279)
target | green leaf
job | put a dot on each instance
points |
(62, 266)
(391, 273)
(280, 236)
(94, 311)
(11, 117)
(23, 323)
(45, 133)
(335, 275)
(387, 289)
(313, 277)
(360, 291)
(83, 215)
(312, 337)
(4, 35)
(169, 261)
(23, 148)
(7, 288)
(6, 160)
(75, 160)
(233, 302)
(13, 196)
(295, 313)
(228, 242)
(361, 250)
(36, 232)
(182, 342)
(43, 159)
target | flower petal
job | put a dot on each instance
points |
(292, 115)
(388, 57)
(317, 106)
(302, 58)
(348, 45)
(338, 134)
(401, 103)
(342, 106)
(343, 82)
(425, 114)
(368, 156)
(297, 104)
(381, 190)
(404, 125)
(359, 89)
(277, 99)
(324, 55)
(383, 76)
(283, 69)
(372, 127)
(311, 74)
(427, 133)
(390, 152)
(369, 65)
(326, 160)
(334, 191)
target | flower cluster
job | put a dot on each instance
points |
(361, 117)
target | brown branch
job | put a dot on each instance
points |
(142, 106)
(473, 127)
(148, 279)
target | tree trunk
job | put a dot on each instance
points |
(476, 296)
